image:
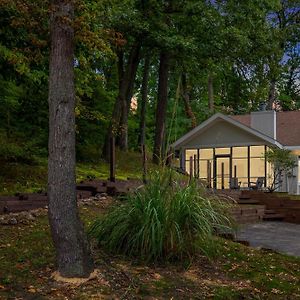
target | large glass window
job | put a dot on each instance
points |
(299, 169)
(257, 167)
(206, 154)
(257, 151)
(222, 151)
(270, 174)
(246, 163)
(191, 165)
(206, 166)
(240, 164)
(240, 152)
(257, 163)
(189, 153)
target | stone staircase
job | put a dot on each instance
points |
(271, 212)
(252, 207)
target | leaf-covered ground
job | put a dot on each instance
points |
(238, 272)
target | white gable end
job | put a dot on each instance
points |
(222, 134)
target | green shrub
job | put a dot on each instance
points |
(163, 220)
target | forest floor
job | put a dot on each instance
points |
(237, 272)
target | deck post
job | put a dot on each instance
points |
(195, 166)
(191, 168)
(222, 176)
(208, 174)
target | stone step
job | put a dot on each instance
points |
(273, 217)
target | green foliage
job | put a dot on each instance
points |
(163, 220)
(282, 161)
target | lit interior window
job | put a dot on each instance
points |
(240, 152)
(257, 151)
(222, 151)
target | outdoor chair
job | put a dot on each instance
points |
(258, 184)
(234, 183)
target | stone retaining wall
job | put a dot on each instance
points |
(244, 214)
(284, 205)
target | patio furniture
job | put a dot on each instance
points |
(258, 184)
(234, 183)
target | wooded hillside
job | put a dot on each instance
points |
(146, 71)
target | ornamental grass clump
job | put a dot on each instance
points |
(165, 219)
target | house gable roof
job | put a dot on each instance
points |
(287, 126)
(215, 118)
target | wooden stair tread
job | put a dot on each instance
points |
(270, 211)
(247, 201)
(244, 197)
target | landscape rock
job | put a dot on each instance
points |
(27, 217)
(12, 221)
(30, 217)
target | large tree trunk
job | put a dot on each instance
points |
(127, 93)
(144, 92)
(272, 94)
(72, 248)
(161, 109)
(186, 99)
(210, 87)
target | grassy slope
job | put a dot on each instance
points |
(239, 272)
(16, 177)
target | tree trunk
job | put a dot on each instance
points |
(127, 93)
(115, 118)
(161, 109)
(272, 94)
(210, 93)
(72, 248)
(186, 99)
(144, 92)
(119, 122)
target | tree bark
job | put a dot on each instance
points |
(71, 244)
(272, 94)
(161, 109)
(144, 92)
(187, 104)
(127, 93)
(210, 93)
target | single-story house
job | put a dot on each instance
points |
(233, 146)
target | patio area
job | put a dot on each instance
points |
(281, 237)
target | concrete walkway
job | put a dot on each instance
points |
(279, 236)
